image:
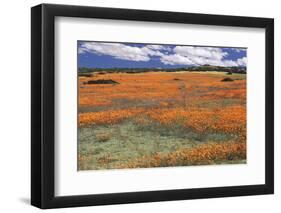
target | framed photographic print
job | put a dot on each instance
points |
(139, 106)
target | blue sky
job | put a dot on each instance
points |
(129, 55)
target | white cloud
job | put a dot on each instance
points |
(242, 61)
(188, 55)
(203, 52)
(116, 50)
(176, 59)
(201, 55)
(228, 63)
(158, 47)
(238, 50)
(150, 51)
(81, 50)
(122, 51)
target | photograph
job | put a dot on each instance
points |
(143, 105)
(139, 105)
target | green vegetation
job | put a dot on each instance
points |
(85, 71)
(108, 146)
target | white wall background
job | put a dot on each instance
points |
(15, 105)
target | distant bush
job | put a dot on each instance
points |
(86, 74)
(102, 81)
(227, 79)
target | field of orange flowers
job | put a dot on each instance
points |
(161, 119)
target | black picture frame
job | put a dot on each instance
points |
(43, 102)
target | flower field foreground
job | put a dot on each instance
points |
(200, 155)
(161, 119)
